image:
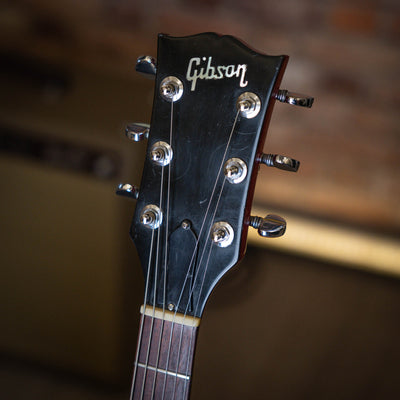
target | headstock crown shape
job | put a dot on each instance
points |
(212, 103)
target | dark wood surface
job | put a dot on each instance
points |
(168, 347)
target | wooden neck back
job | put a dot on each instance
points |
(164, 358)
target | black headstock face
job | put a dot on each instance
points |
(191, 219)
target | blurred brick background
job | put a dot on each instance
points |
(344, 53)
(67, 71)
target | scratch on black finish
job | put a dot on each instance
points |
(202, 122)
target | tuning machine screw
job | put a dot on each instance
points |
(127, 190)
(146, 65)
(137, 131)
(296, 99)
(281, 162)
(270, 226)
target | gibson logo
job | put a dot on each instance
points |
(210, 72)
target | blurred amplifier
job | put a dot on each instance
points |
(68, 273)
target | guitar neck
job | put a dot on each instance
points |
(164, 357)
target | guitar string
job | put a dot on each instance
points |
(165, 266)
(196, 246)
(142, 319)
(186, 386)
(207, 263)
(204, 220)
(202, 284)
(156, 277)
(165, 258)
(146, 365)
(155, 291)
(202, 281)
(191, 335)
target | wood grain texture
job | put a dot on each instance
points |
(165, 359)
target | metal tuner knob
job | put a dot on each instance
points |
(270, 226)
(127, 190)
(147, 65)
(281, 162)
(137, 131)
(296, 99)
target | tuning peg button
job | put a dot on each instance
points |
(281, 162)
(146, 65)
(127, 190)
(270, 226)
(296, 99)
(137, 131)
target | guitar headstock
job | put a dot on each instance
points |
(213, 100)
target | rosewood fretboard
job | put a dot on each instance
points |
(165, 356)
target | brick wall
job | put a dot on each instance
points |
(345, 53)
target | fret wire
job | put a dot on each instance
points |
(142, 319)
(148, 346)
(155, 287)
(150, 364)
(205, 272)
(191, 291)
(163, 371)
(201, 288)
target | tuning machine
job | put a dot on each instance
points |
(137, 131)
(146, 65)
(295, 99)
(127, 190)
(281, 162)
(270, 226)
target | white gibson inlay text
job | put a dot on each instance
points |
(207, 71)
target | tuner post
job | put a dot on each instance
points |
(235, 170)
(222, 234)
(151, 216)
(161, 153)
(248, 104)
(171, 88)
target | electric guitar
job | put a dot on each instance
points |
(213, 100)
